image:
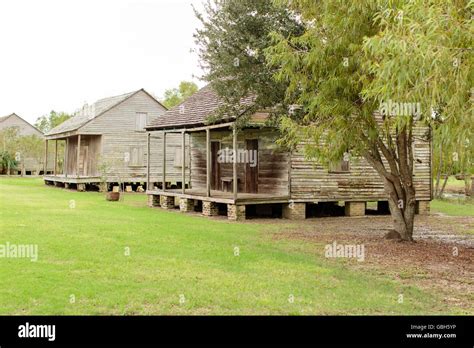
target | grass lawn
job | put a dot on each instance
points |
(453, 182)
(173, 256)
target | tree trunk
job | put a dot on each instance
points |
(467, 184)
(450, 171)
(403, 216)
(398, 177)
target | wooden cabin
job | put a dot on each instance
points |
(28, 163)
(265, 179)
(106, 143)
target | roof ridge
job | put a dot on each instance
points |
(79, 120)
(117, 96)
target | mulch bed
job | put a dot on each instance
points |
(441, 258)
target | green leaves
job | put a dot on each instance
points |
(7, 160)
(354, 56)
(175, 96)
(232, 41)
(47, 122)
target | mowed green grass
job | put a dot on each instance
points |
(82, 257)
(453, 182)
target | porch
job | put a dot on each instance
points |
(75, 158)
(237, 168)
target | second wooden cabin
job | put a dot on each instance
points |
(106, 144)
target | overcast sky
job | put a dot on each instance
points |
(58, 54)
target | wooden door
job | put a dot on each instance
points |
(251, 168)
(83, 160)
(71, 159)
(215, 166)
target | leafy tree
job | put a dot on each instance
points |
(175, 96)
(7, 162)
(21, 147)
(31, 147)
(47, 122)
(231, 44)
(356, 55)
(9, 139)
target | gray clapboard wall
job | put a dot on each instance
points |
(24, 129)
(110, 140)
(272, 162)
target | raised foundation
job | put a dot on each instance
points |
(355, 208)
(81, 187)
(422, 207)
(186, 205)
(236, 212)
(167, 202)
(153, 201)
(294, 211)
(103, 187)
(209, 208)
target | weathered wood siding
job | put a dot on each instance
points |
(313, 182)
(272, 162)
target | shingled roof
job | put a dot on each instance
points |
(3, 118)
(87, 113)
(194, 111)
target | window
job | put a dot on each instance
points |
(136, 156)
(341, 166)
(141, 121)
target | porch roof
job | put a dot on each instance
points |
(194, 111)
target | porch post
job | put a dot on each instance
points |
(66, 157)
(45, 157)
(148, 161)
(78, 155)
(183, 166)
(56, 157)
(234, 162)
(164, 161)
(208, 162)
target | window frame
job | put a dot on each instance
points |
(138, 121)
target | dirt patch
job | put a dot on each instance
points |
(440, 260)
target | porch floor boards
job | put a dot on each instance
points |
(223, 197)
(72, 179)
